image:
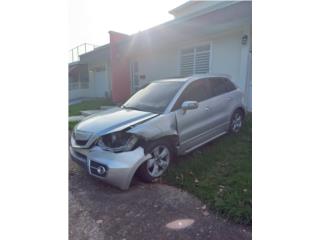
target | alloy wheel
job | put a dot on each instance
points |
(236, 122)
(159, 161)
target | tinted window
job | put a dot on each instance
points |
(230, 85)
(155, 97)
(196, 91)
(219, 85)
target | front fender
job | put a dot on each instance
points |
(161, 126)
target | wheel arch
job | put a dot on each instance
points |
(172, 139)
(240, 108)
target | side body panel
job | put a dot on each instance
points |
(193, 125)
(221, 109)
(219, 113)
(209, 121)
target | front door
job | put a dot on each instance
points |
(100, 82)
(194, 125)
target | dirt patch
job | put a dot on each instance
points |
(99, 211)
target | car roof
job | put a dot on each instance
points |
(193, 77)
(207, 75)
(175, 79)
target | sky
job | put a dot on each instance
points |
(90, 20)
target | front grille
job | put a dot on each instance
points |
(81, 142)
(94, 169)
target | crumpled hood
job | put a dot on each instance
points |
(114, 119)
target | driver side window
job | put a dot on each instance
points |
(197, 91)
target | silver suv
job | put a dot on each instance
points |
(166, 118)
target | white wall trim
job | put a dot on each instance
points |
(244, 60)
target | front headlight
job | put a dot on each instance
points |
(117, 142)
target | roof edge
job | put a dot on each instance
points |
(119, 33)
(186, 4)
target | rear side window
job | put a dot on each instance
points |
(197, 91)
(230, 85)
(220, 85)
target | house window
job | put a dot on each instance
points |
(195, 60)
(73, 83)
(84, 83)
(76, 83)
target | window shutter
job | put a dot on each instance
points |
(187, 64)
(195, 60)
(202, 59)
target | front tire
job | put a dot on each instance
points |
(161, 155)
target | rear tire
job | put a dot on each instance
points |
(236, 121)
(161, 155)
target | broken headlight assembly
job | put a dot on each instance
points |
(118, 142)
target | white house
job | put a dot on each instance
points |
(88, 77)
(211, 36)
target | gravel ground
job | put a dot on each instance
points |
(99, 211)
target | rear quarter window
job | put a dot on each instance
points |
(220, 85)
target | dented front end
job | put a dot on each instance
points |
(114, 154)
(158, 127)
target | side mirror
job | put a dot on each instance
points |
(188, 105)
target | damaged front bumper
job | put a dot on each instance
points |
(114, 168)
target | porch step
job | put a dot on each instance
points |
(75, 118)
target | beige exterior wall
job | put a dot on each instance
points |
(228, 56)
(158, 65)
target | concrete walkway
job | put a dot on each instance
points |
(76, 118)
(146, 211)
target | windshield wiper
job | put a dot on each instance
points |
(132, 108)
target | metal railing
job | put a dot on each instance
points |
(75, 52)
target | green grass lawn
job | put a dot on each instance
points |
(219, 173)
(87, 105)
(71, 125)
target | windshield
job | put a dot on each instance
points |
(155, 97)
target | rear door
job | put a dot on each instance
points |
(220, 103)
(193, 125)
